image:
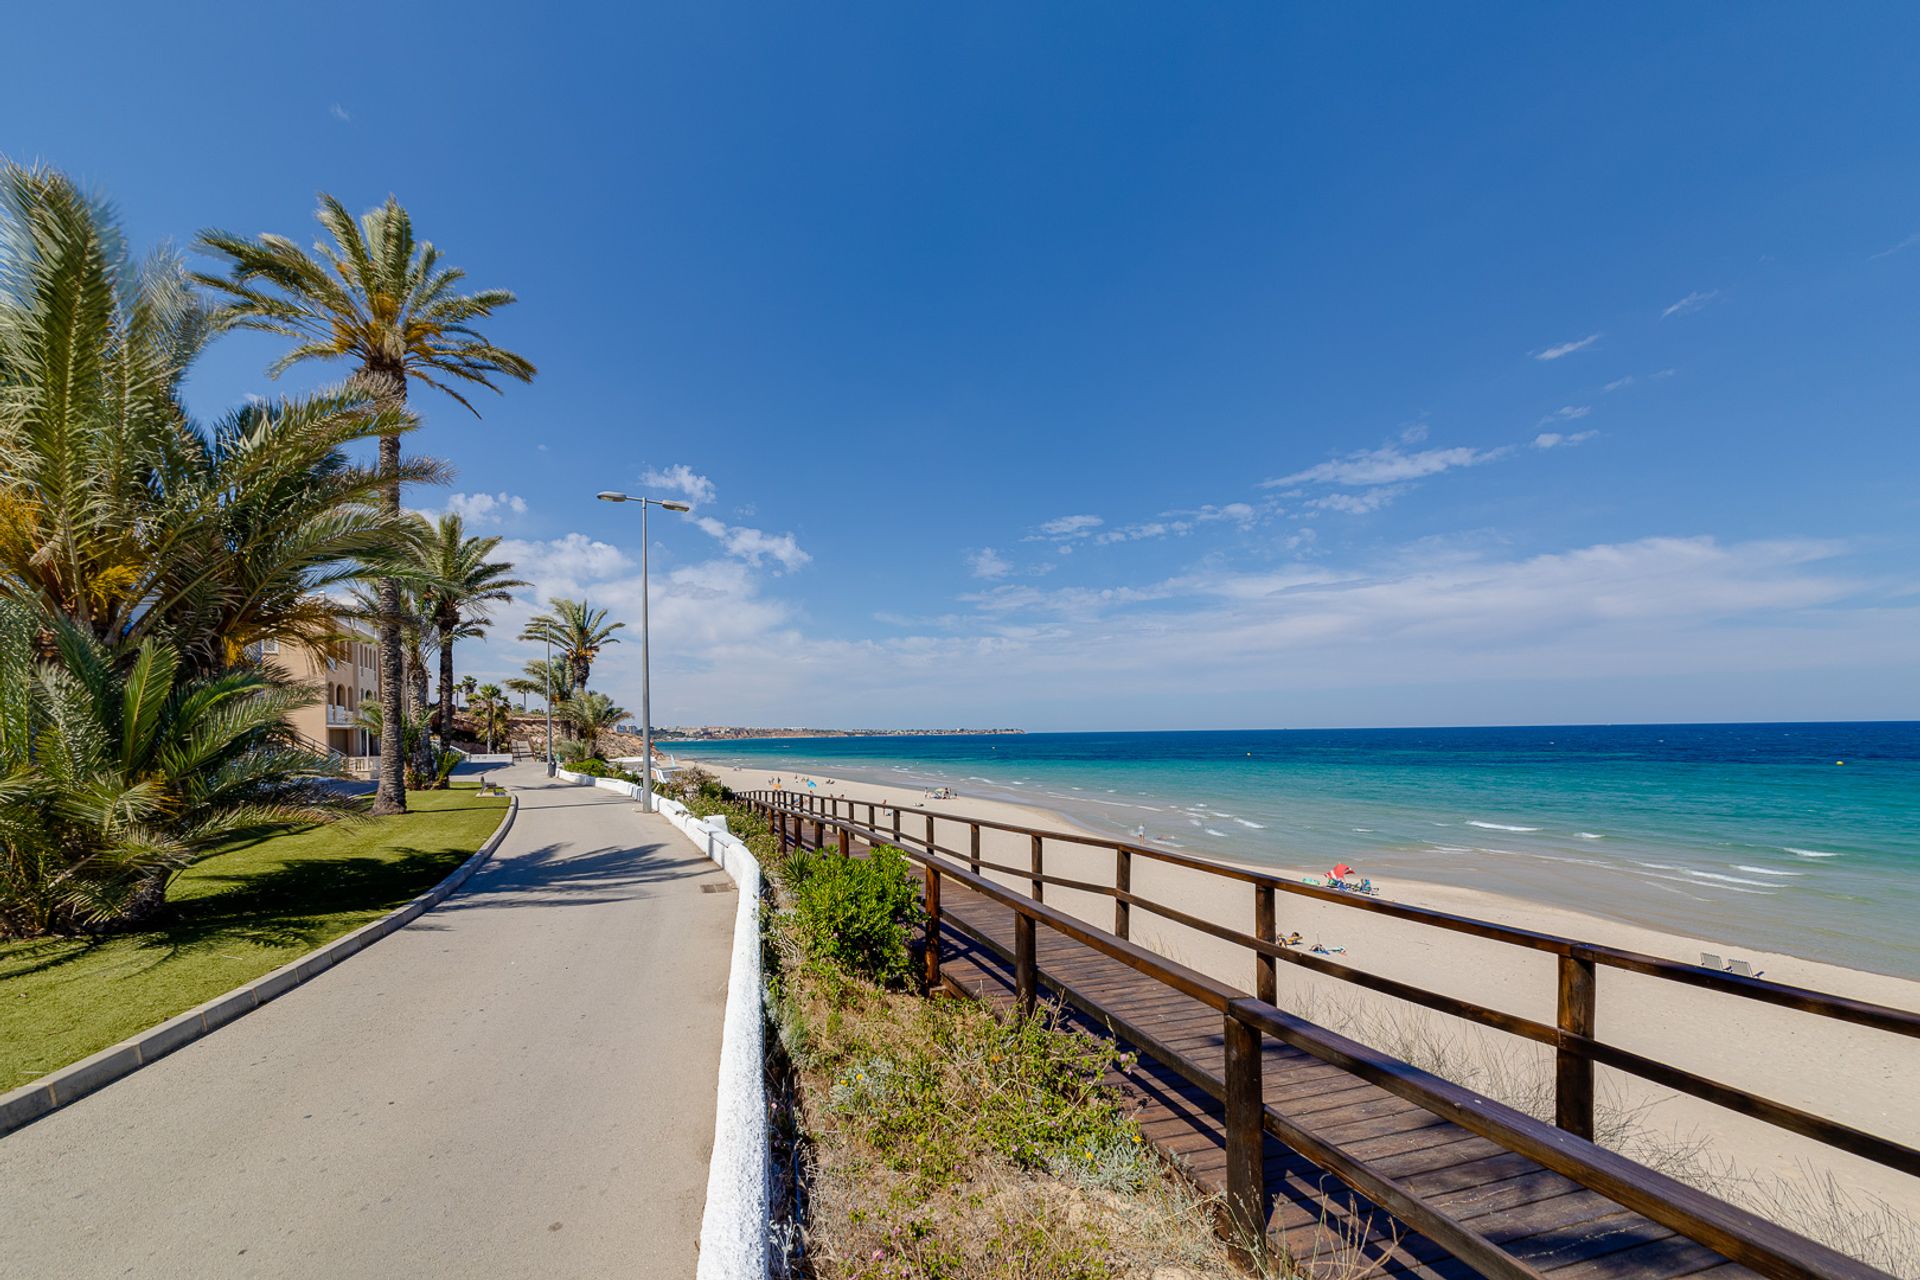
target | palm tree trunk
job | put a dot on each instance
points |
(446, 689)
(391, 796)
(423, 743)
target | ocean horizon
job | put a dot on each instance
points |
(1801, 838)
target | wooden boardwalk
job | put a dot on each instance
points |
(1546, 1220)
(1296, 1127)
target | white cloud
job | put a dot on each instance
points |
(1620, 383)
(569, 560)
(1692, 302)
(482, 507)
(1908, 243)
(1386, 465)
(1554, 440)
(1567, 413)
(753, 545)
(679, 478)
(339, 113)
(1070, 526)
(1567, 348)
(1358, 504)
(988, 563)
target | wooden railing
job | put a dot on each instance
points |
(1565, 1147)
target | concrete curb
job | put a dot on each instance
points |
(50, 1092)
(733, 1227)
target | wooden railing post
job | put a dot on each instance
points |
(1246, 1106)
(896, 826)
(871, 820)
(929, 833)
(1123, 882)
(933, 927)
(973, 848)
(1025, 975)
(1266, 985)
(780, 822)
(1573, 1069)
(845, 843)
(1034, 887)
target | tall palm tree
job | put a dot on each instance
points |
(552, 681)
(459, 583)
(384, 301)
(592, 714)
(490, 708)
(117, 510)
(467, 685)
(578, 632)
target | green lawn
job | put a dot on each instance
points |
(230, 918)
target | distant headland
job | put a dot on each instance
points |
(719, 732)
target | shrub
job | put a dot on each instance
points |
(856, 913)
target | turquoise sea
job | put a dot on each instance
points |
(1797, 838)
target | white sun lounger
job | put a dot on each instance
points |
(1708, 960)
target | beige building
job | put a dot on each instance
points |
(348, 678)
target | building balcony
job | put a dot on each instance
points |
(339, 717)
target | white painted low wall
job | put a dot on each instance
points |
(733, 1230)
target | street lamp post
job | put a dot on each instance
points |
(646, 671)
(549, 683)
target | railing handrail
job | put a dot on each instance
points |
(1736, 1233)
(1843, 1008)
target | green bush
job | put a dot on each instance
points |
(593, 767)
(856, 913)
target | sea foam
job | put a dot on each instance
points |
(1809, 853)
(1498, 826)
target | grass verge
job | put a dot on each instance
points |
(237, 914)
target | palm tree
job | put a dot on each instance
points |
(117, 774)
(552, 681)
(592, 714)
(117, 511)
(467, 685)
(419, 634)
(578, 632)
(385, 302)
(459, 582)
(491, 709)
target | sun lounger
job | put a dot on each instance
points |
(1708, 960)
(1741, 969)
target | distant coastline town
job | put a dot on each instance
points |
(721, 733)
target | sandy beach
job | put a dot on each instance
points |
(1863, 1077)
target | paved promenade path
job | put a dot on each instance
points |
(520, 1083)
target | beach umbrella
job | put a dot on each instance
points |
(1342, 871)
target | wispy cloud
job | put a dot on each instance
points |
(339, 113)
(754, 545)
(1692, 302)
(1567, 348)
(1363, 503)
(1567, 413)
(1388, 464)
(679, 478)
(1554, 440)
(1066, 528)
(1908, 243)
(1620, 383)
(988, 563)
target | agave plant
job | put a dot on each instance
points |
(114, 775)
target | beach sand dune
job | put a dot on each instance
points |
(1866, 1078)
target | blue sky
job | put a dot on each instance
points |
(1124, 366)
